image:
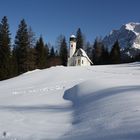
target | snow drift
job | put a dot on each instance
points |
(71, 103)
(102, 112)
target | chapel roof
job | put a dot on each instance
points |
(81, 52)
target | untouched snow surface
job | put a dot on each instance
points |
(72, 103)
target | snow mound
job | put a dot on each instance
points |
(72, 103)
(103, 112)
(29, 72)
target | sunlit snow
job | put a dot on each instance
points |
(72, 103)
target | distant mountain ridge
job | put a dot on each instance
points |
(128, 36)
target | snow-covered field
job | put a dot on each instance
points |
(72, 103)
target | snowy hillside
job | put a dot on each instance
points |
(128, 35)
(72, 103)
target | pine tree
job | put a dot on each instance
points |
(31, 37)
(115, 55)
(41, 54)
(59, 41)
(105, 56)
(32, 54)
(47, 53)
(32, 59)
(14, 65)
(5, 52)
(22, 48)
(47, 50)
(52, 53)
(56, 53)
(79, 39)
(97, 51)
(88, 49)
(63, 52)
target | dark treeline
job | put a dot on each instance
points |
(101, 55)
(28, 53)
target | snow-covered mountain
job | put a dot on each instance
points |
(128, 36)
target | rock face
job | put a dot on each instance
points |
(128, 36)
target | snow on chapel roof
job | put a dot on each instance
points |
(81, 52)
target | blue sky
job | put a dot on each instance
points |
(50, 18)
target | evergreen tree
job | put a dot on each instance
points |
(105, 56)
(47, 51)
(58, 43)
(137, 57)
(32, 54)
(79, 39)
(52, 53)
(31, 37)
(5, 53)
(59, 40)
(14, 65)
(97, 51)
(100, 54)
(115, 55)
(63, 52)
(32, 59)
(56, 53)
(88, 49)
(41, 54)
(22, 48)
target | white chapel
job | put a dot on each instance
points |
(77, 57)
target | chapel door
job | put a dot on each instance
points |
(79, 62)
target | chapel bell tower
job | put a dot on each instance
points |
(72, 45)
